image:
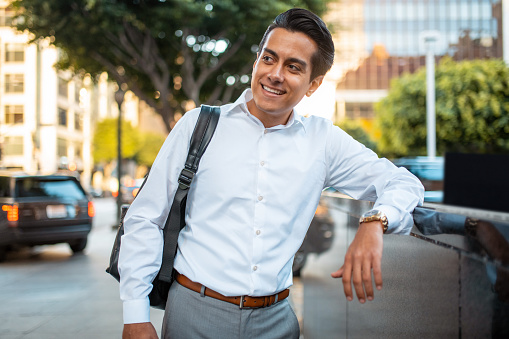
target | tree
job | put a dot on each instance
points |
(355, 130)
(472, 110)
(140, 146)
(168, 52)
(148, 149)
(105, 141)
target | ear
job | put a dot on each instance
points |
(313, 85)
(256, 60)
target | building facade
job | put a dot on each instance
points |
(44, 113)
(379, 40)
(47, 116)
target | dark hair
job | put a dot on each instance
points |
(304, 21)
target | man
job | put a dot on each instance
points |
(253, 198)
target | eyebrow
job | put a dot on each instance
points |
(295, 60)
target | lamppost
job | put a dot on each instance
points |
(430, 38)
(119, 98)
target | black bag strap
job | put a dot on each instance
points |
(203, 132)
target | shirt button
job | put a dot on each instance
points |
(266, 131)
(262, 163)
(260, 198)
(258, 232)
(255, 268)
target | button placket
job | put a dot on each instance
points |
(260, 206)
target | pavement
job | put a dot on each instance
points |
(49, 293)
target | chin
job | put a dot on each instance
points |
(269, 109)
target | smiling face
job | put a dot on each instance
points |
(282, 76)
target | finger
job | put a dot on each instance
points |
(366, 279)
(338, 273)
(347, 284)
(377, 273)
(357, 282)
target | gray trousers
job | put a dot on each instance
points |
(188, 315)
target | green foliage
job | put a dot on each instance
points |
(150, 145)
(164, 51)
(353, 128)
(472, 110)
(105, 141)
(140, 146)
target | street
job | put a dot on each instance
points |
(49, 293)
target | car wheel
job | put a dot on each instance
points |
(298, 262)
(77, 246)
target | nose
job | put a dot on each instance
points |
(276, 73)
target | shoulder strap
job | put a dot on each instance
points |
(203, 132)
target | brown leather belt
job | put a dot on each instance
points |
(243, 301)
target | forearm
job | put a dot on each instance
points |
(357, 171)
(139, 262)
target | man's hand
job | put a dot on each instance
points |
(139, 331)
(363, 256)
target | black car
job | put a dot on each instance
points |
(42, 210)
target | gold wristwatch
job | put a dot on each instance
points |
(375, 215)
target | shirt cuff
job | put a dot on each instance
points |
(393, 217)
(136, 311)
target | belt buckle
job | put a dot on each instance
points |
(241, 306)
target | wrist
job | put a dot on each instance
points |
(375, 216)
(372, 227)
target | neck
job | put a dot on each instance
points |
(267, 119)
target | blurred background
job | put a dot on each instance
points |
(90, 89)
(71, 69)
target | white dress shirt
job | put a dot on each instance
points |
(251, 202)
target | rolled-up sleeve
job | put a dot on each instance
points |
(358, 172)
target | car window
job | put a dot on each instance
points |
(35, 187)
(5, 190)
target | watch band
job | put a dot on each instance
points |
(375, 215)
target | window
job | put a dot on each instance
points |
(62, 117)
(77, 93)
(61, 147)
(13, 146)
(14, 83)
(6, 17)
(5, 187)
(356, 110)
(14, 114)
(14, 53)
(36, 187)
(78, 125)
(77, 150)
(62, 87)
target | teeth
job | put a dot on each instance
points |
(272, 90)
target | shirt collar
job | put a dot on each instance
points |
(240, 105)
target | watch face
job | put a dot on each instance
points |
(371, 213)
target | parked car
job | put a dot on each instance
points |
(318, 238)
(430, 172)
(129, 192)
(42, 210)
